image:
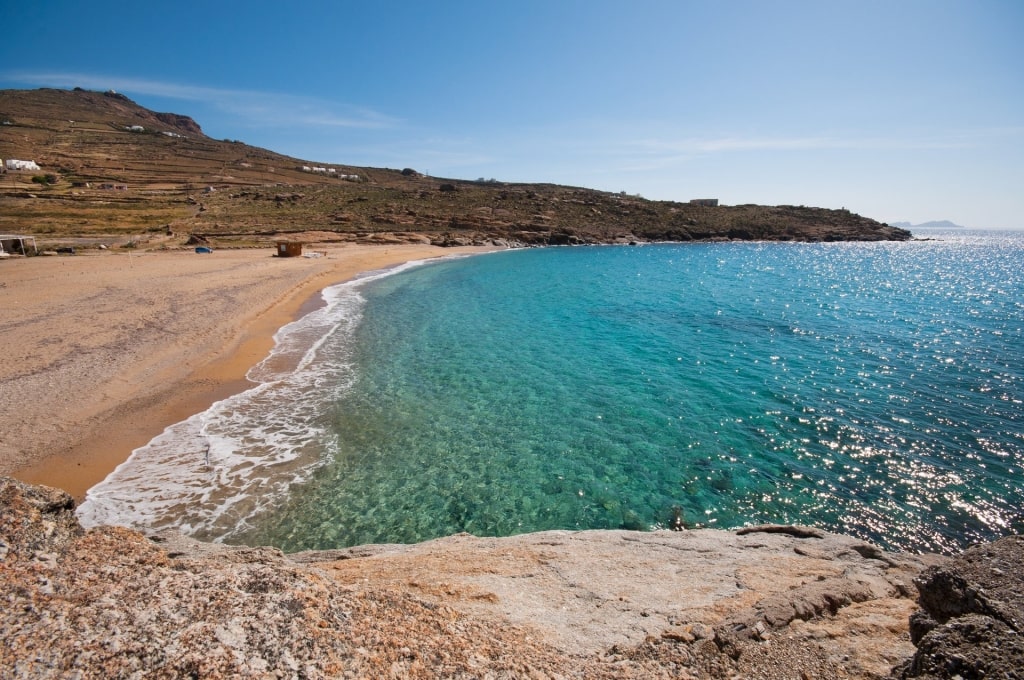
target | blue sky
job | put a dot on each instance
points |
(897, 109)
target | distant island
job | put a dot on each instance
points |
(934, 224)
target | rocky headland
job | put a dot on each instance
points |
(761, 602)
(117, 174)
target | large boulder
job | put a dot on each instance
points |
(972, 615)
(34, 520)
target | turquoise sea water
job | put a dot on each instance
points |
(873, 389)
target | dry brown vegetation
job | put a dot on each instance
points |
(179, 181)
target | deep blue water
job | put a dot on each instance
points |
(872, 389)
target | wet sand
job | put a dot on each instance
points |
(100, 352)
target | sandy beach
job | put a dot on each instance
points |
(101, 352)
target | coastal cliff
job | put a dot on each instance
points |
(767, 601)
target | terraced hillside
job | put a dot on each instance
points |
(111, 169)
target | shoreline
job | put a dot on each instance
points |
(94, 437)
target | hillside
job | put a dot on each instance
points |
(112, 169)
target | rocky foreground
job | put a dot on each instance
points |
(762, 602)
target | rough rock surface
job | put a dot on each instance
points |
(778, 602)
(972, 616)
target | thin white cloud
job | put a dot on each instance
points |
(258, 108)
(660, 152)
(598, 146)
(446, 158)
(812, 143)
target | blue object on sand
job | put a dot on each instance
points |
(204, 249)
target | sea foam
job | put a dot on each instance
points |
(209, 475)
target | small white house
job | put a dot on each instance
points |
(136, 128)
(21, 166)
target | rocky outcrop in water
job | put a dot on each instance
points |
(972, 615)
(761, 602)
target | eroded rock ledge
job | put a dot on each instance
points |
(762, 602)
(972, 615)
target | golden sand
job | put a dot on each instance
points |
(99, 353)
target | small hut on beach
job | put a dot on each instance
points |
(13, 243)
(289, 249)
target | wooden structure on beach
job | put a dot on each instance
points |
(289, 249)
(13, 243)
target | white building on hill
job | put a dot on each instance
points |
(21, 166)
